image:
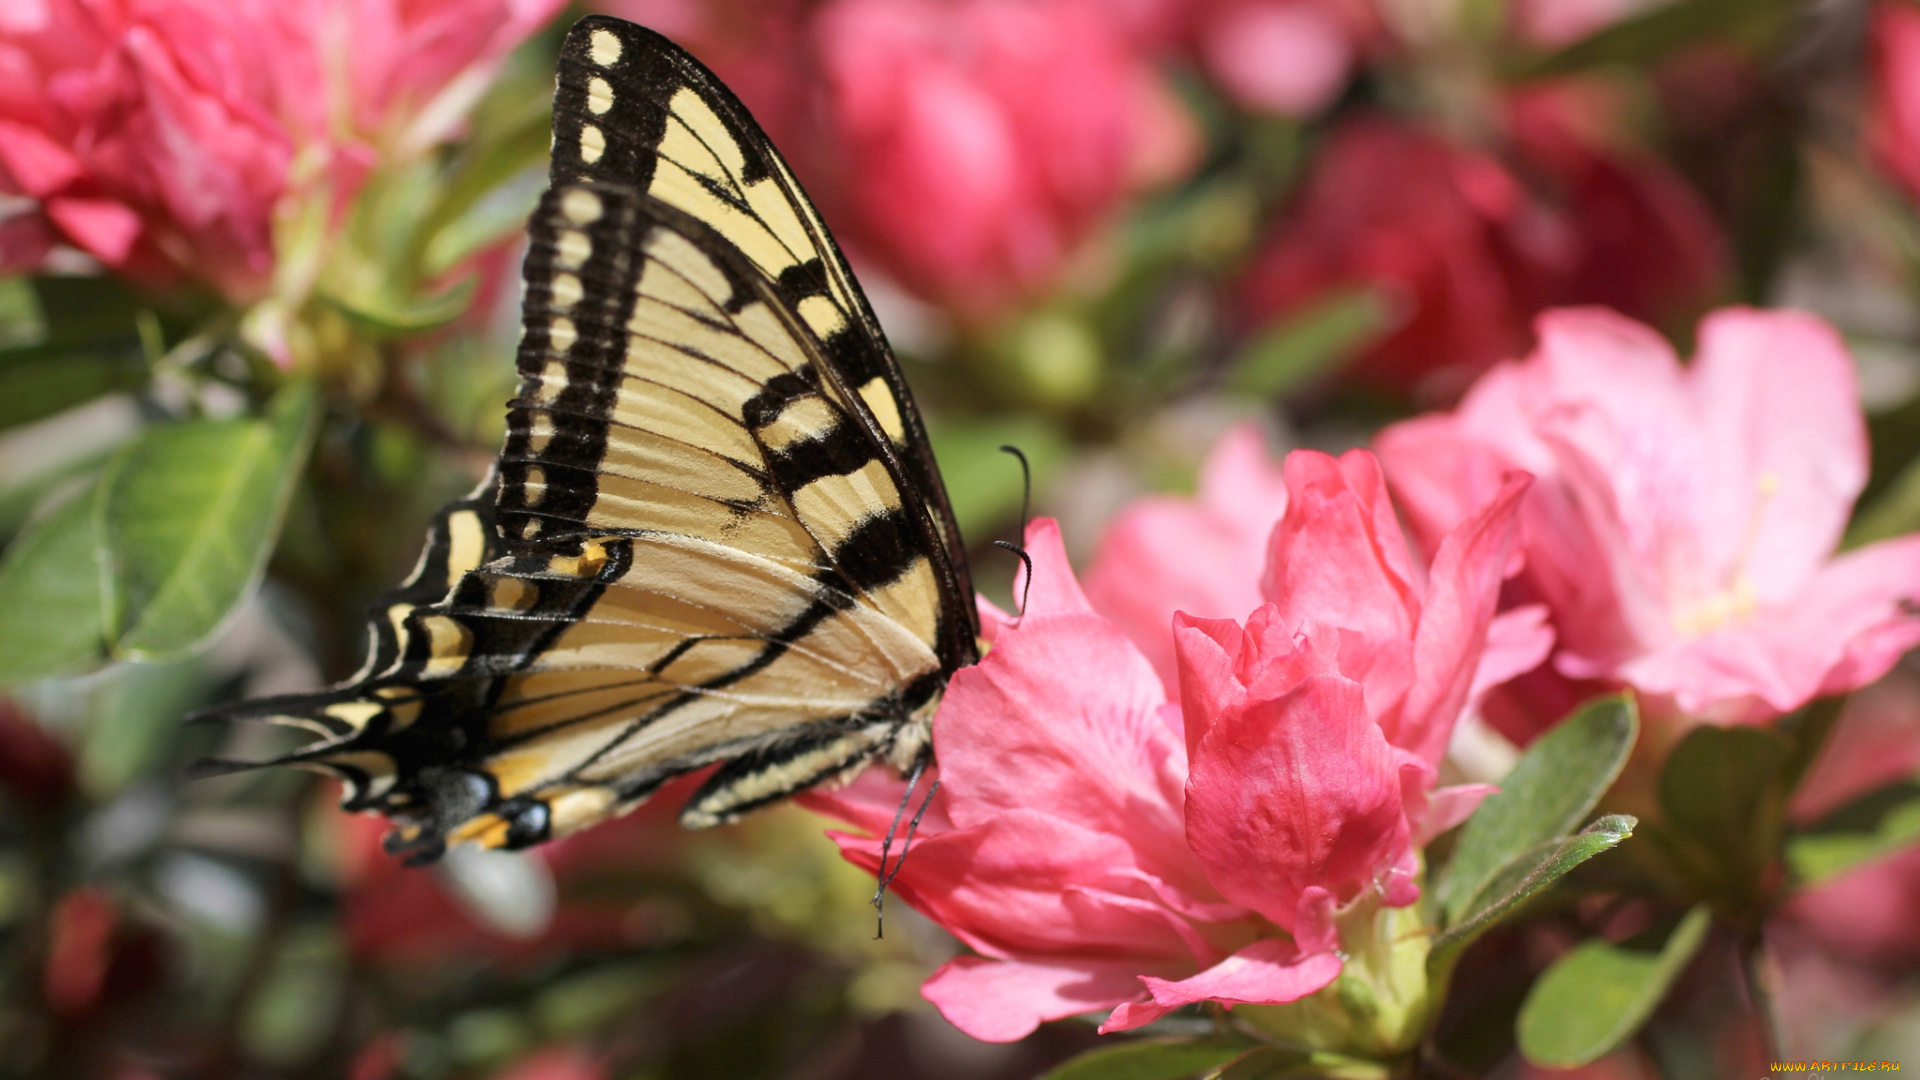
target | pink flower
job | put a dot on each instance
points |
(1468, 252)
(1683, 527)
(1554, 23)
(1089, 867)
(160, 136)
(1894, 132)
(982, 142)
(1057, 849)
(1290, 57)
(1203, 556)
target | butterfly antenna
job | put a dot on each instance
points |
(1026, 486)
(879, 898)
(886, 846)
(1026, 505)
(1026, 561)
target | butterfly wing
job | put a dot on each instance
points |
(712, 540)
(632, 108)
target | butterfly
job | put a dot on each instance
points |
(715, 535)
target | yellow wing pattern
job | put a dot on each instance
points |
(710, 539)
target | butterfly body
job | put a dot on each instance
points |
(715, 533)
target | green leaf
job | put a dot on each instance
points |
(1148, 1059)
(38, 381)
(1549, 792)
(1723, 791)
(187, 516)
(1876, 824)
(1596, 996)
(66, 340)
(1527, 874)
(1310, 342)
(50, 613)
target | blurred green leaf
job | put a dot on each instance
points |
(1644, 39)
(486, 194)
(1876, 824)
(1309, 343)
(1549, 792)
(69, 340)
(133, 714)
(1597, 995)
(388, 310)
(50, 600)
(1527, 874)
(1274, 1063)
(983, 482)
(1722, 789)
(289, 1016)
(1149, 1059)
(38, 381)
(1894, 512)
(188, 515)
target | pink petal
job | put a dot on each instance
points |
(1447, 807)
(1268, 972)
(1202, 556)
(104, 228)
(1847, 629)
(1295, 792)
(1055, 591)
(1518, 640)
(1462, 592)
(1004, 1000)
(1782, 415)
(1338, 557)
(1061, 698)
(1025, 884)
(36, 163)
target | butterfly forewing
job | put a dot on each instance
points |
(631, 108)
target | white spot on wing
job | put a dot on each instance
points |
(566, 291)
(592, 143)
(561, 335)
(605, 48)
(573, 249)
(599, 96)
(581, 207)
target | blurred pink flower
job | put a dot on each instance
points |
(159, 136)
(1467, 252)
(1075, 852)
(1290, 57)
(1202, 555)
(1894, 130)
(1684, 523)
(981, 142)
(1866, 914)
(1554, 23)
(1450, 235)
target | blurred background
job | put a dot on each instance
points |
(1104, 231)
